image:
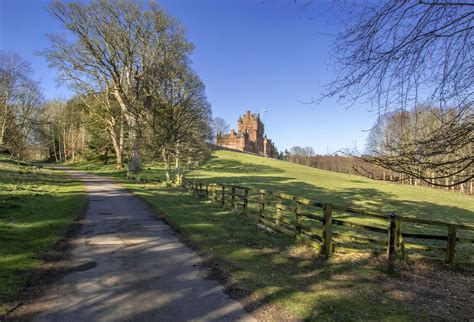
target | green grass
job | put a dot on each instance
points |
(348, 190)
(343, 189)
(272, 268)
(381, 197)
(36, 207)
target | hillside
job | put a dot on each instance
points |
(327, 186)
(271, 271)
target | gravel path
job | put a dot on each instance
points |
(129, 265)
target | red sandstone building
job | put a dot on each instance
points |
(249, 138)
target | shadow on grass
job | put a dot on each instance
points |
(270, 270)
(215, 164)
(266, 272)
(373, 199)
(36, 209)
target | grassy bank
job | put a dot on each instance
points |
(36, 207)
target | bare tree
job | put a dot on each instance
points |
(309, 151)
(397, 54)
(219, 127)
(20, 104)
(180, 114)
(394, 144)
(103, 109)
(110, 48)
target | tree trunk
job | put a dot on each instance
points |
(166, 160)
(177, 157)
(117, 148)
(54, 145)
(61, 158)
(121, 139)
(64, 143)
(3, 129)
(4, 120)
(134, 162)
(118, 152)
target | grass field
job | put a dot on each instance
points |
(343, 189)
(274, 272)
(36, 207)
(227, 167)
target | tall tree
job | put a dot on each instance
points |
(20, 104)
(110, 48)
(180, 113)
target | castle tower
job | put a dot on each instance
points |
(250, 136)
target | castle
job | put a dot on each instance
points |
(249, 138)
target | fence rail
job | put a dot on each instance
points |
(324, 225)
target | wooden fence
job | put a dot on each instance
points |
(330, 227)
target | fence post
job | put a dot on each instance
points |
(391, 243)
(399, 243)
(262, 204)
(214, 196)
(207, 190)
(278, 210)
(233, 197)
(451, 246)
(223, 196)
(327, 230)
(298, 225)
(201, 191)
(246, 201)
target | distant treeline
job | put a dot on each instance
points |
(356, 166)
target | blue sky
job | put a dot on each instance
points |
(250, 54)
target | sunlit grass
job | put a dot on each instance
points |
(226, 167)
(269, 266)
(347, 190)
(344, 189)
(274, 269)
(36, 207)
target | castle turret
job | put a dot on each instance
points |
(250, 136)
